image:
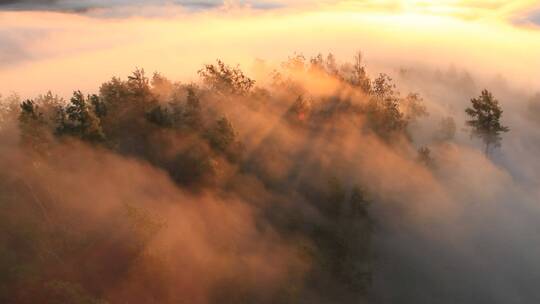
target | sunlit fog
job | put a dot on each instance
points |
(269, 151)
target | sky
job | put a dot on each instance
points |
(65, 44)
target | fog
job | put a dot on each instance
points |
(462, 230)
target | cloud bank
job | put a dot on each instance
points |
(81, 49)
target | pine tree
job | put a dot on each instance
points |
(485, 124)
(79, 119)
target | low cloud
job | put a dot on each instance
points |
(124, 8)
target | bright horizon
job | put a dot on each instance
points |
(487, 38)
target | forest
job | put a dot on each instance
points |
(229, 189)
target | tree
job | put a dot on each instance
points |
(49, 104)
(99, 106)
(225, 79)
(33, 126)
(383, 109)
(328, 65)
(331, 65)
(317, 62)
(223, 139)
(79, 119)
(114, 92)
(299, 110)
(192, 113)
(296, 62)
(134, 95)
(413, 107)
(162, 87)
(127, 104)
(485, 124)
(447, 129)
(139, 84)
(384, 88)
(359, 77)
(221, 135)
(160, 116)
(186, 115)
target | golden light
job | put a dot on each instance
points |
(473, 34)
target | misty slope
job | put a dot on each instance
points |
(317, 184)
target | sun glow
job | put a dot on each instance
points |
(471, 34)
(469, 10)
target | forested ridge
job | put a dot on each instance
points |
(226, 190)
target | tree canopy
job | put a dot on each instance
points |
(280, 148)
